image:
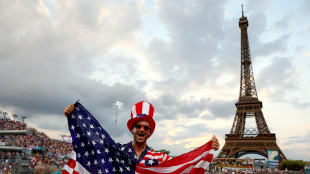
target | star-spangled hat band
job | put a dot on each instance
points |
(142, 111)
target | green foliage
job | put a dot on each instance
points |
(294, 165)
(164, 151)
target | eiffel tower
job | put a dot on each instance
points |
(243, 140)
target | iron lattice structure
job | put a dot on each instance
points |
(242, 140)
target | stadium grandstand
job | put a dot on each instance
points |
(40, 148)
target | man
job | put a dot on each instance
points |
(142, 125)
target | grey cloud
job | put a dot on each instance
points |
(195, 42)
(169, 106)
(192, 28)
(283, 23)
(45, 65)
(305, 8)
(277, 75)
(266, 49)
(190, 21)
(297, 139)
(254, 6)
(301, 105)
(50, 122)
(259, 47)
(257, 26)
(222, 109)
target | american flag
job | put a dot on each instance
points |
(96, 152)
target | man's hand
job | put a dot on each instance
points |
(215, 143)
(69, 109)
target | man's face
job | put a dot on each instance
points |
(141, 131)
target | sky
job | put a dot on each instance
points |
(181, 56)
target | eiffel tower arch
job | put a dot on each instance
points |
(242, 140)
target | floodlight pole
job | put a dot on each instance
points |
(4, 114)
(117, 105)
(23, 117)
(14, 115)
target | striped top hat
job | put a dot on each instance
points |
(142, 111)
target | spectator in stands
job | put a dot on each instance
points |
(54, 152)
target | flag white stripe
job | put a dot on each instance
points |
(81, 169)
(73, 155)
(68, 169)
(78, 166)
(188, 169)
(201, 164)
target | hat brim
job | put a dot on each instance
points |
(145, 118)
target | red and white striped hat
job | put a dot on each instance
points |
(142, 111)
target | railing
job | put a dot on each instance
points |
(20, 165)
(257, 136)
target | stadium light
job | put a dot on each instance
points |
(14, 115)
(117, 105)
(23, 117)
(4, 114)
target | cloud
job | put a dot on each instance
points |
(47, 60)
(193, 38)
(301, 105)
(279, 74)
(303, 145)
(253, 6)
(305, 8)
(223, 109)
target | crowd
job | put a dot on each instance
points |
(40, 148)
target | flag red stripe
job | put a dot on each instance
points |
(71, 163)
(139, 108)
(197, 171)
(191, 165)
(65, 172)
(151, 111)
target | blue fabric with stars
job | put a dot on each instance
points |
(95, 149)
(128, 148)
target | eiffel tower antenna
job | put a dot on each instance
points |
(242, 10)
(241, 140)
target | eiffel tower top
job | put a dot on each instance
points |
(243, 19)
(248, 91)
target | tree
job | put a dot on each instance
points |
(295, 165)
(163, 150)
